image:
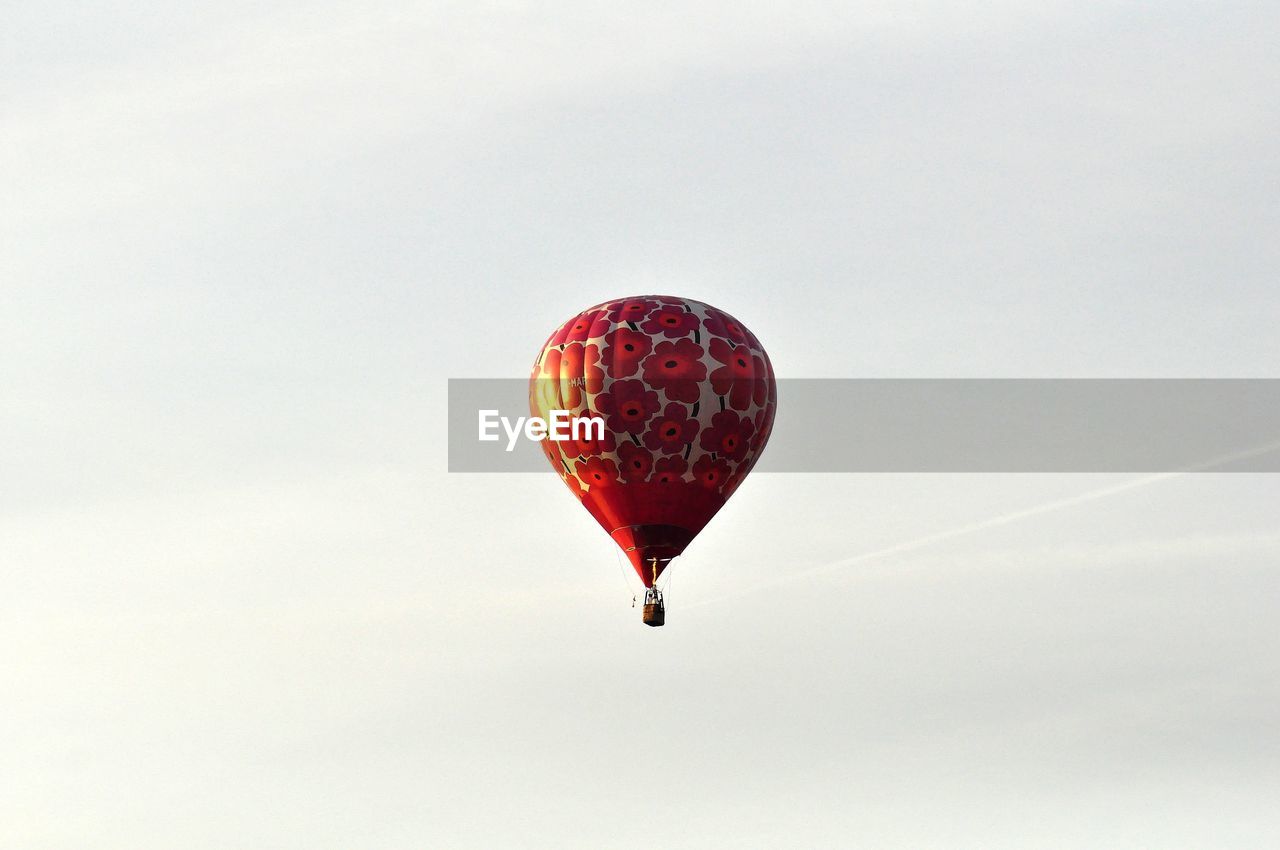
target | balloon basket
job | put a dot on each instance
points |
(655, 612)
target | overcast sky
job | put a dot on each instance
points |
(243, 246)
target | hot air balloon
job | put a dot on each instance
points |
(687, 395)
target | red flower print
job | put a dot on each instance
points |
(631, 310)
(594, 374)
(735, 479)
(671, 322)
(729, 435)
(575, 486)
(710, 473)
(628, 406)
(597, 472)
(550, 365)
(601, 325)
(636, 462)
(764, 427)
(670, 431)
(675, 368)
(577, 329)
(771, 386)
(586, 444)
(579, 362)
(726, 326)
(624, 349)
(668, 469)
(552, 451)
(741, 377)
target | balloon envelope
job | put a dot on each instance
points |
(687, 395)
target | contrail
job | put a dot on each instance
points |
(993, 522)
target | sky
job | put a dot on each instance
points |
(243, 247)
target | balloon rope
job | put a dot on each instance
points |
(622, 570)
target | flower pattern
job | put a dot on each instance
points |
(551, 449)
(676, 368)
(586, 444)
(636, 464)
(739, 376)
(629, 309)
(729, 435)
(671, 322)
(597, 472)
(624, 349)
(672, 430)
(686, 391)
(726, 326)
(577, 329)
(668, 469)
(764, 427)
(710, 472)
(628, 406)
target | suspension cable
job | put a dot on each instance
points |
(622, 569)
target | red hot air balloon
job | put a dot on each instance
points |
(687, 395)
